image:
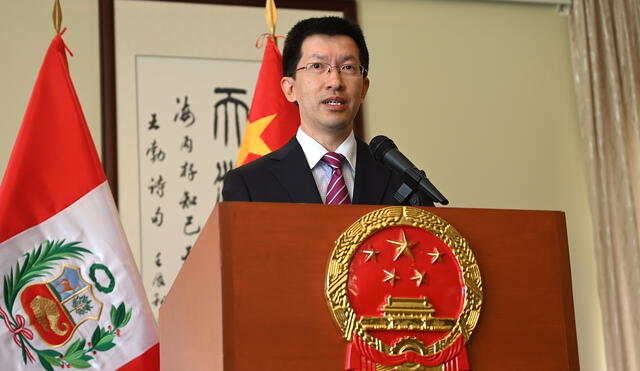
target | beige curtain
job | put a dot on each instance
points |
(605, 48)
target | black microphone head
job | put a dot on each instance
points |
(380, 145)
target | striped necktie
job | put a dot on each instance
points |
(337, 192)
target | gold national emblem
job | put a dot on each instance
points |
(405, 289)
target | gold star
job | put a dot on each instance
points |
(390, 276)
(402, 246)
(371, 254)
(435, 255)
(418, 277)
(252, 143)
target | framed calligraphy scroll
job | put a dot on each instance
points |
(186, 71)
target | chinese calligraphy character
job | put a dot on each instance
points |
(188, 171)
(188, 248)
(153, 124)
(187, 201)
(187, 144)
(158, 217)
(190, 231)
(157, 186)
(224, 104)
(158, 280)
(222, 167)
(156, 153)
(158, 262)
(185, 115)
(157, 300)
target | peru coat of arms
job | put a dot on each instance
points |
(58, 307)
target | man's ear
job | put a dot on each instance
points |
(365, 88)
(286, 83)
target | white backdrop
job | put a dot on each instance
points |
(182, 158)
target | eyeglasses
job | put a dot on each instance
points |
(318, 68)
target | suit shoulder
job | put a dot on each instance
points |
(263, 163)
(257, 165)
(239, 183)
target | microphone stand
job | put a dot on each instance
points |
(411, 194)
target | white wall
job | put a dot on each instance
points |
(26, 29)
(479, 94)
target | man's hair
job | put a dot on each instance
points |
(330, 26)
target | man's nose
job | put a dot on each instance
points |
(334, 79)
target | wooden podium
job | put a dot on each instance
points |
(251, 294)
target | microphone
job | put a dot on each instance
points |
(385, 151)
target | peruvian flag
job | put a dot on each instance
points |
(273, 120)
(71, 293)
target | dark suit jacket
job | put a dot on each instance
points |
(284, 176)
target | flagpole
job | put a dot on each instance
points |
(57, 16)
(271, 16)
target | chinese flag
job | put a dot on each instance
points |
(273, 120)
(71, 292)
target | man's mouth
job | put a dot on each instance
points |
(334, 102)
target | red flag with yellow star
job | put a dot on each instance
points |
(273, 120)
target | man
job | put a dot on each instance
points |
(325, 63)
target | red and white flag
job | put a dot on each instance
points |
(71, 293)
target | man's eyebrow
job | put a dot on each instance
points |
(321, 57)
(347, 58)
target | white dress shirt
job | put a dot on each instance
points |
(321, 171)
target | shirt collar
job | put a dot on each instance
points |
(314, 151)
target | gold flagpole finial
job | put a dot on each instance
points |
(57, 16)
(271, 15)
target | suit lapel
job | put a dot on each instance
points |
(291, 168)
(371, 178)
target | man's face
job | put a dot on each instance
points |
(328, 101)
